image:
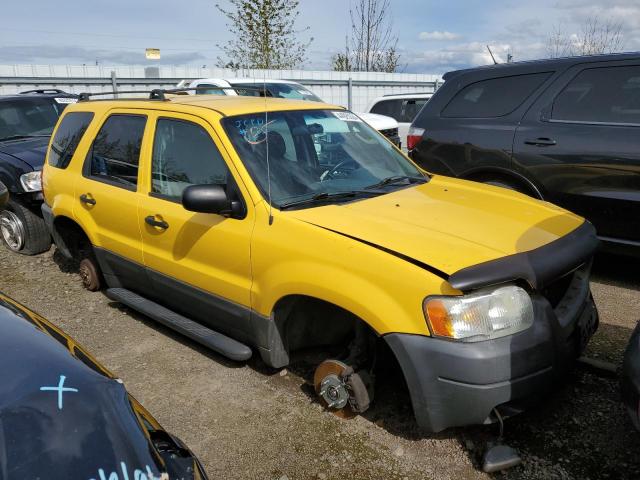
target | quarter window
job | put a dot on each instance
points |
(67, 138)
(115, 153)
(601, 95)
(494, 97)
(184, 154)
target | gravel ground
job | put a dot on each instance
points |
(246, 421)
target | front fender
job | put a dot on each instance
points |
(10, 170)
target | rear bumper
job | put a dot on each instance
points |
(455, 384)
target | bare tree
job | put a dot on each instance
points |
(264, 35)
(595, 37)
(372, 47)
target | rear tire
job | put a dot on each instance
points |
(23, 231)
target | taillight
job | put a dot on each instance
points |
(414, 137)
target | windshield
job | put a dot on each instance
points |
(28, 117)
(317, 152)
(291, 91)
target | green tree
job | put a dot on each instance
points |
(373, 47)
(264, 34)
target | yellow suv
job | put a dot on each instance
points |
(265, 225)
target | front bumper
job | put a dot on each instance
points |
(454, 383)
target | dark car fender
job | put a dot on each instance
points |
(11, 169)
(4, 195)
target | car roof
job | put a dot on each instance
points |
(246, 80)
(402, 96)
(223, 104)
(504, 68)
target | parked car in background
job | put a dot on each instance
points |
(385, 124)
(309, 230)
(65, 416)
(563, 130)
(631, 377)
(403, 107)
(26, 122)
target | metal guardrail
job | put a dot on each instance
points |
(114, 82)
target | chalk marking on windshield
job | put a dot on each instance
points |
(138, 474)
(60, 389)
(257, 134)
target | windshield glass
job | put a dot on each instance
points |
(316, 152)
(292, 91)
(28, 117)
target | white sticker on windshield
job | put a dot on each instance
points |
(65, 100)
(347, 116)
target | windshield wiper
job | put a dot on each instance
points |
(326, 196)
(18, 137)
(395, 180)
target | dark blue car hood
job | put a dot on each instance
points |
(85, 433)
(30, 150)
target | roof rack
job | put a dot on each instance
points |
(409, 93)
(44, 90)
(160, 93)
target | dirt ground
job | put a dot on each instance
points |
(246, 421)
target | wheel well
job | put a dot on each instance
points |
(520, 183)
(70, 238)
(306, 322)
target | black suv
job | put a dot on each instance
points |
(26, 122)
(563, 130)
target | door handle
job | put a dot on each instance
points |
(151, 220)
(88, 199)
(540, 142)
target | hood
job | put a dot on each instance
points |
(73, 434)
(379, 122)
(447, 224)
(30, 150)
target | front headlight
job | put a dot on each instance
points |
(31, 182)
(480, 316)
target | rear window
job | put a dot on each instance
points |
(494, 97)
(402, 110)
(67, 138)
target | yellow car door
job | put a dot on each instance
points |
(199, 264)
(106, 197)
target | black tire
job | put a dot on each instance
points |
(33, 235)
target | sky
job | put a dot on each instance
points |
(433, 36)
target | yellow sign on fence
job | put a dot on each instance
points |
(152, 53)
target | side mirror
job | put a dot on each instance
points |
(4, 195)
(210, 199)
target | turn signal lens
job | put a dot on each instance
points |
(480, 316)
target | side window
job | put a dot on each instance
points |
(209, 89)
(604, 95)
(115, 153)
(410, 109)
(494, 97)
(390, 108)
(68, 136)
(184, 154)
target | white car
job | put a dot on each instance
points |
(283, 89)
(402, 107)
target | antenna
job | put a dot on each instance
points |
(492, 57)
(266, 140)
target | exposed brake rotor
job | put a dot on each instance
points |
(342, 391)
(328, 381)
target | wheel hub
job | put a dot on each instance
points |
(334, 392)
(329, 381)
(12, 230)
